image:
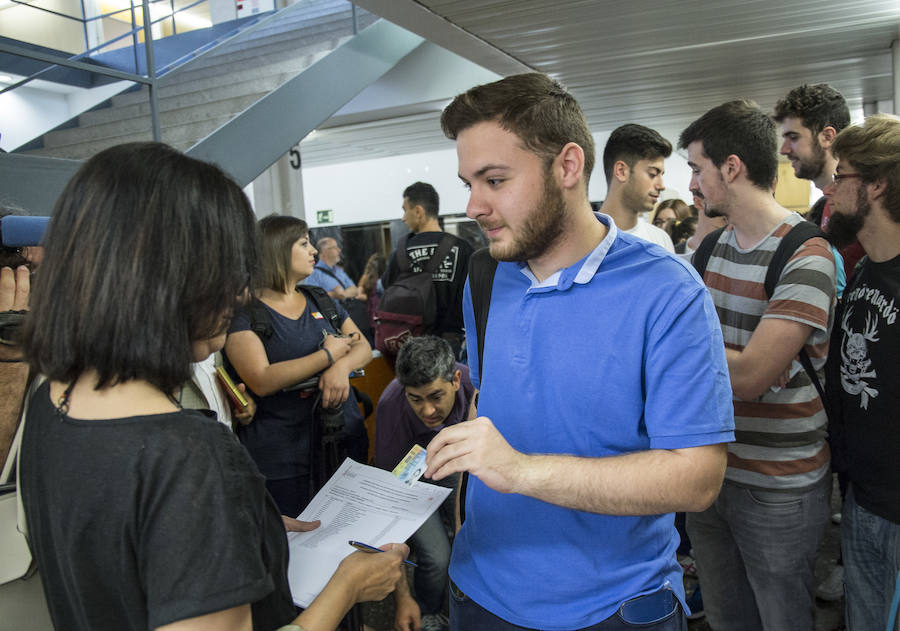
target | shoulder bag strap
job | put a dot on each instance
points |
(333, 275)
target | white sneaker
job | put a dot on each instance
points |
(832, 588)
(435, 622)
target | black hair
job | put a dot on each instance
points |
(630, 143)
(738, 128)
(147, 251)
(818, 106)
(424, 195)
(423, 359)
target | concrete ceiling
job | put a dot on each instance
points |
(661, 64)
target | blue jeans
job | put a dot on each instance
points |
(467, 615)
(431, 545)
(755, 553)
(871, 548)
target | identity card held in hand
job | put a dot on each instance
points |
(412, 466)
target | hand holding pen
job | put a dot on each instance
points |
(365, 547)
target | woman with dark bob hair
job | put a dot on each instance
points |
(143, 515)
(302, 344)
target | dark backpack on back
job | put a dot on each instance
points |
(409, 306)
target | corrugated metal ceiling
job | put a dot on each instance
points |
(661, 64)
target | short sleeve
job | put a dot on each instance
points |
(200, 525)
(240, 321)
(806, 290)
(688, 392)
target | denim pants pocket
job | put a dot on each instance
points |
(659, 610)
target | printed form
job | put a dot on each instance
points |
(359, 503)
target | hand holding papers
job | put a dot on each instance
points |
(361, 503)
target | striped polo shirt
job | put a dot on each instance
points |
(780, 436)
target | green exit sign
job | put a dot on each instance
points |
(324, 216)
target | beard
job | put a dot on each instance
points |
(812, 168)
(842, 229)
(542, 228)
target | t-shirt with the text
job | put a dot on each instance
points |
(864, 368)
(449, 278)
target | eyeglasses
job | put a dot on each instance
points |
(837, 177)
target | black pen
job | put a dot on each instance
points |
(365, 547)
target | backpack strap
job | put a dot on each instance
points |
(260, 320)
(440, 253)
(482, 268)
(790, 243)
(403, 260)
(324, 304)
(701, 255)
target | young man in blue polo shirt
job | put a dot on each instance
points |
(604, 394)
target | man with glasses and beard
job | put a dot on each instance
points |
(755, 547)
(863, 374)
(604, 400)
(810, 117)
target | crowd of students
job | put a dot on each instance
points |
(616, 385)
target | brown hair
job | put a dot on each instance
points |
(534, 107)
(873, 150)
(278, 234)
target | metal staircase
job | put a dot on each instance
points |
(207, 92)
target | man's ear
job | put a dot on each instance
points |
(457, 377)
(621, 171)
(731, 168)
(876, 189)
(570, 165)
(826, 137)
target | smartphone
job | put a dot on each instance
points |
(231, 390)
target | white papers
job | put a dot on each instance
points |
(359, 503)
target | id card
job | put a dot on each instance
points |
(412, 466)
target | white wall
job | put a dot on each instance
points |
(370, 190)
(28, 112)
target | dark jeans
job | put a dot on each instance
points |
(755, 552)
(871, 546)
(467, 615)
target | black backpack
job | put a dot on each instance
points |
(797, 236)
(409, 306)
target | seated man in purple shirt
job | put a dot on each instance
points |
(431, 392)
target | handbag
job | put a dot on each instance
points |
(22, 598)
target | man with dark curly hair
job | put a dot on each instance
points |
(811, 116)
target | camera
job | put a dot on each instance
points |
(19, 232)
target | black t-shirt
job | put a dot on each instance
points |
(143, 521)
(864, 386)
(449, 279)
